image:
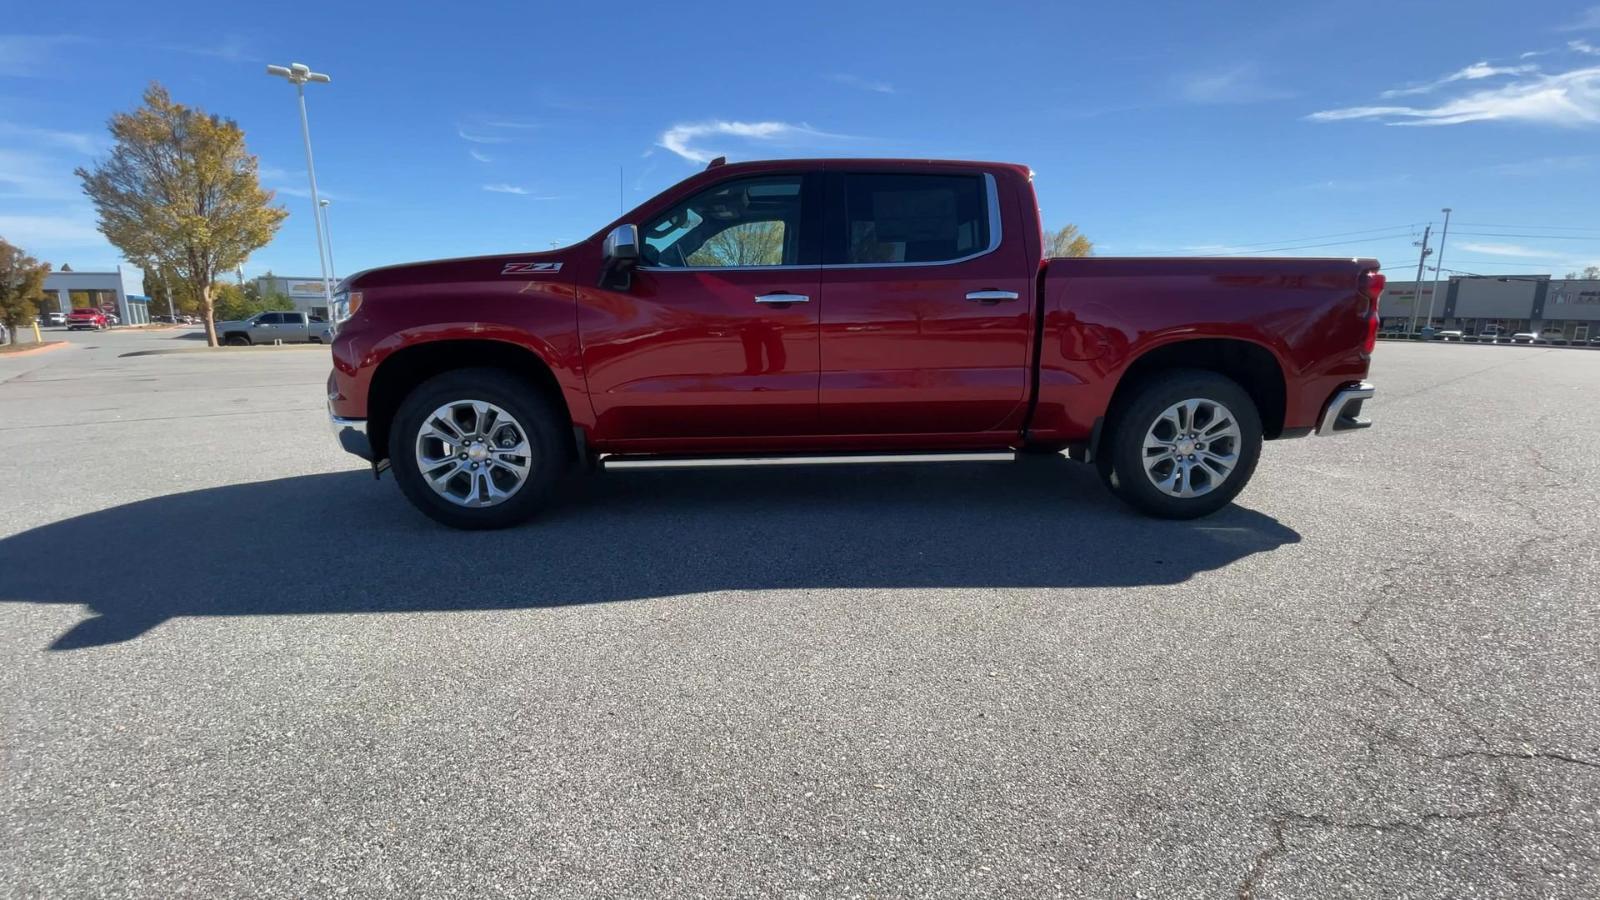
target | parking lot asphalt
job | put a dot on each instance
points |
(233, 663)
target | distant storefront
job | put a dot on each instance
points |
(110, 291)
(1561, 308)
(305, 293)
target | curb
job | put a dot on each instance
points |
(224, 349)
(45, 347)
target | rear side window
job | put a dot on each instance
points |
(907, 218)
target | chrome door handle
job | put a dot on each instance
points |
(782, 298)
(991, 296)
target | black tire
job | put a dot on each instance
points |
(237, 340)
(548, 432)
(1122, 461)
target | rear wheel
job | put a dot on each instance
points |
(1183, 445)
(478, 448)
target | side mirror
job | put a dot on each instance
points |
(621, 254)
(622, 246)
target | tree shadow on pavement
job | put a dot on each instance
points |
(342, 543)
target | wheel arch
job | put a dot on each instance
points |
(406, 368)
(1253, 365)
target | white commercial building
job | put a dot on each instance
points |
(107, 290)
(305, 293)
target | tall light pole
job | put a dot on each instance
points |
(1438, 264)
(327, 233)
(298, 74)
(1416, 294)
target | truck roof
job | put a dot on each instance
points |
(871, 162)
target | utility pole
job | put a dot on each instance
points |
(1438, 262)
(1416, 295)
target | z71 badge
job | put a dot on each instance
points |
(530, 268)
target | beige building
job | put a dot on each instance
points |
(1505, 303)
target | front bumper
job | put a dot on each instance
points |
(352, 435)
(1343, 411)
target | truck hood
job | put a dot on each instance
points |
(549, 264)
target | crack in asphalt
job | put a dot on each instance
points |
(1509, 794)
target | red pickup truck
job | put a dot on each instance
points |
(841, 311)
(87, 317)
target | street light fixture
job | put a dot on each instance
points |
(298, 74)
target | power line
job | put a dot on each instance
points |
(1367, 240)
(1528, 227)
(1547, 237)
(1318, 237)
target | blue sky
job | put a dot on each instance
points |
(1158, 127)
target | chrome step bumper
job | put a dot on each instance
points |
(1343, 412)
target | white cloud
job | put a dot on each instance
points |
(1570, 99)
(1475, 72)
(680, 139)
(1514, 250)
(29, 176)
(865, 84)
(493, 131)
(479, 137)
(1587, 20)
(479, 155)
(76, 141)
(60, 230)
(1546, 165)
(1241, 83)
(517, 189)
(34, 54)
(231, 49)
(1583, 47)
(305, 193)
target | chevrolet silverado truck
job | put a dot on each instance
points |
(271, 327)
(841, 311)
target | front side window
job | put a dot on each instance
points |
(270, 319)
(909, 218)
(738, 223)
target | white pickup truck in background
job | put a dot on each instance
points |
(272, 327)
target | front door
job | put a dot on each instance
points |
(717, 334)
(926, 311)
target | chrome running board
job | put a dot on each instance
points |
(610, 461)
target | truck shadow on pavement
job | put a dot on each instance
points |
(342, 543)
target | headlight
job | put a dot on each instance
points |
(345, 304)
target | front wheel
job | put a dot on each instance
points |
(478, 448)
(1183, 445)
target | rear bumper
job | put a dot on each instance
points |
(351, 435)
(1343, 410)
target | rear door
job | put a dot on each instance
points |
(926, 306)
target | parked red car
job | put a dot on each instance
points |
(87, 318)
(811, 311)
